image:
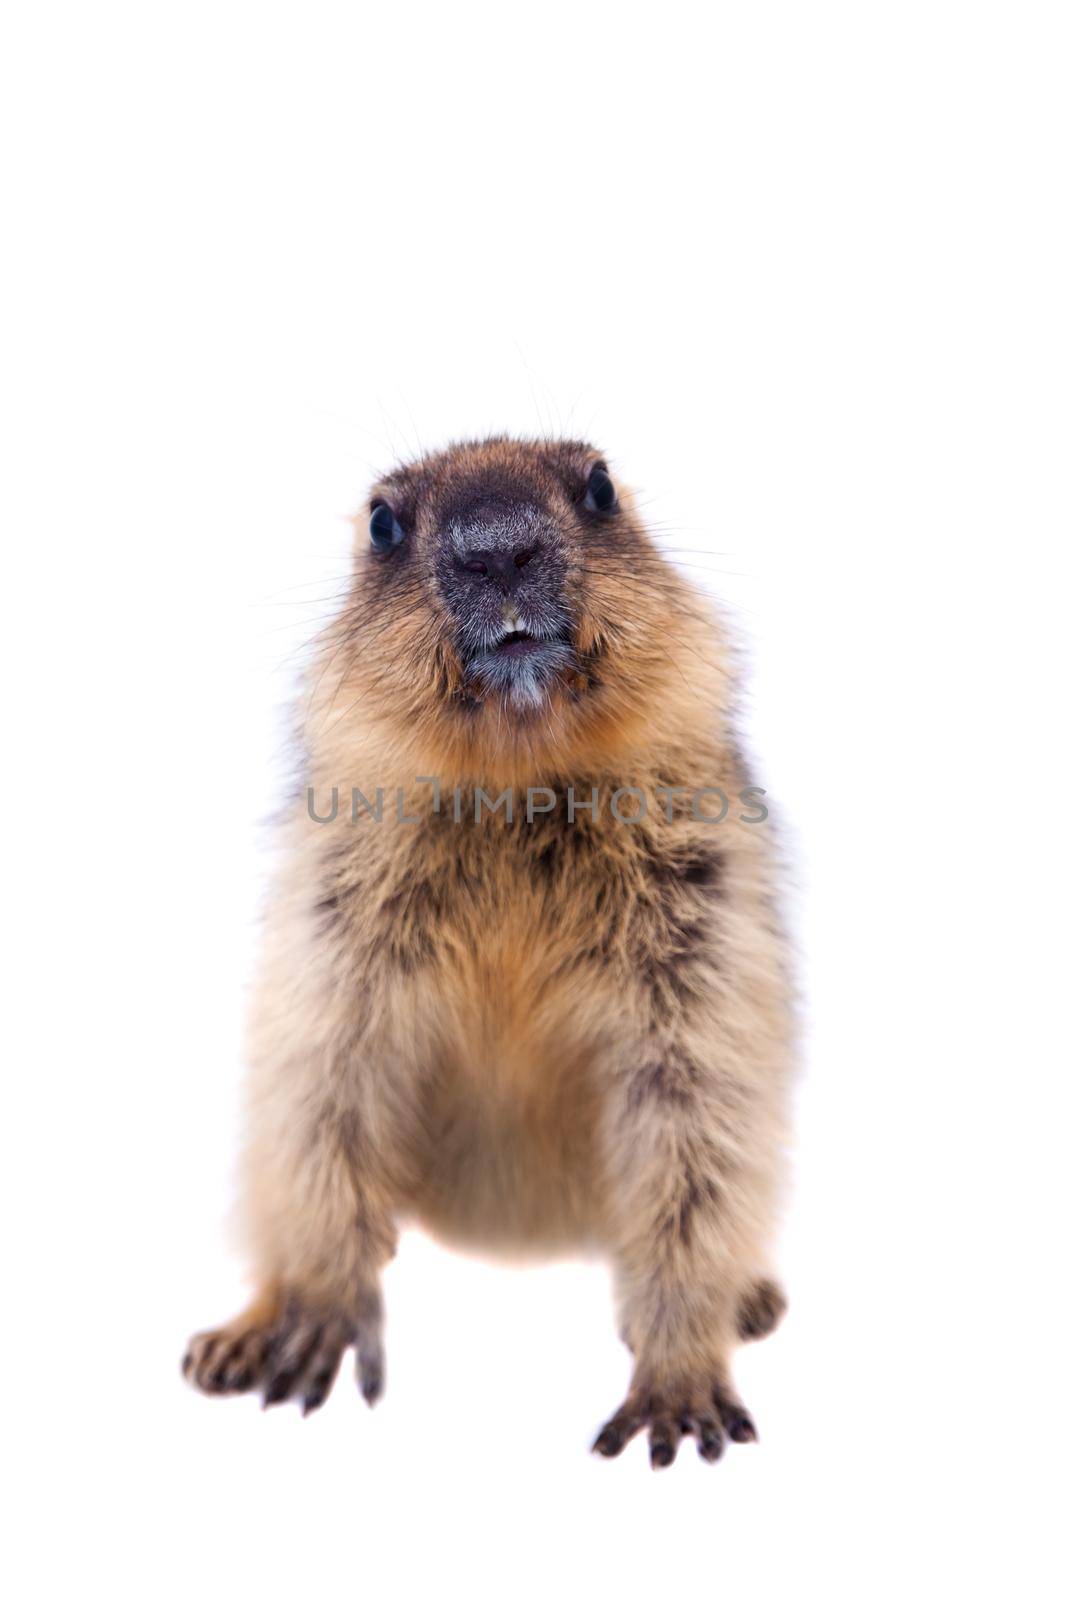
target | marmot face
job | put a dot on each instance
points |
(508, 600)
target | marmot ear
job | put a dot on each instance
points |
(600, 493)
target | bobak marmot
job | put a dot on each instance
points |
(523, 980)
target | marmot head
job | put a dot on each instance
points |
(509, 612)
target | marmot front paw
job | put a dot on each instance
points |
(286, 1351)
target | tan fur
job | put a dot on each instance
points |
(528, 1036)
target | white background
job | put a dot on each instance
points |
(799, 269)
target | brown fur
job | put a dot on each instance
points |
(530, 1035)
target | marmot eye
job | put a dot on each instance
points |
(385, 530)
(599, 491)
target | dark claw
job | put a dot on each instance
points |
(280, 1388)
(739, 1425)
(371, 1374)
(608, 1441)
(321, 1382)
(229, 1369)
(712, 1444)
(661, 1446)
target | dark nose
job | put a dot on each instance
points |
(501, 567)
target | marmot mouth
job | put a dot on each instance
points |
(518, 639)
(518, 643)
(521, 665)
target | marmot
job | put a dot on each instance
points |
(523, 981)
